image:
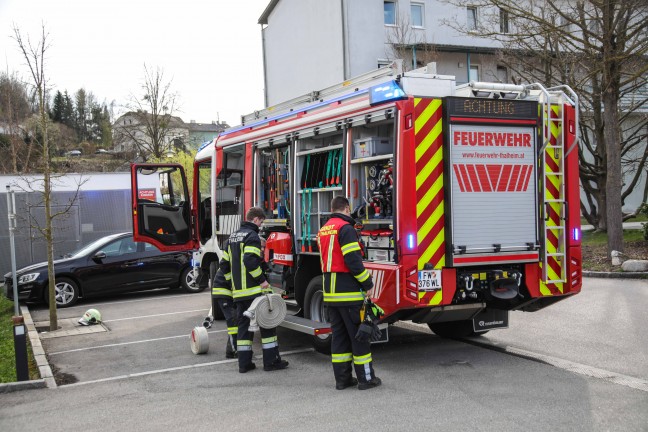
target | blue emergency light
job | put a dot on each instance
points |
(410, 241)
(389, 91)
(576, 234)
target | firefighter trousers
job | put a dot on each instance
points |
(229, 312)
(244, 341)
(345, 349)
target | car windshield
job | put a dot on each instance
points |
(90, 247)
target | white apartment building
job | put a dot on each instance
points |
(311, 44)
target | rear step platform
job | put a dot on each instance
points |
(304, 325)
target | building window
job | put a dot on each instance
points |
(417, 15)
(471, 18)
(390, 12)
(383, 63)
(504, 21)
(502, 74)
(473, 75)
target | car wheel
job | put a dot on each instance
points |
(217, 312)
(455, 329)
(315, 309)
(189, 280)
(66, 292)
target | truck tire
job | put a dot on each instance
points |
(315, 309)
(217, 313)
(455, 329)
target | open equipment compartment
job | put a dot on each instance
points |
(372, 192)
(320, 177)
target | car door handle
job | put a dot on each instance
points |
(131, 263)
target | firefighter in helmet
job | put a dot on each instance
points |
(242, 261)
(345, 282)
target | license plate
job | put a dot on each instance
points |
(429, 280)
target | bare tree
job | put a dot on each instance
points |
(150, 125)
(409, 45)
(599, 48)
(34, 55)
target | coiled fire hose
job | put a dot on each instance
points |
(267, 311)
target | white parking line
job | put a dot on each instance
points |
(129, 343)
(158, 371)
(157, 315)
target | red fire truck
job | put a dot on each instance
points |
(466, 196)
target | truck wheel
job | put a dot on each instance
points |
(455, 329)
(217, 313)
(316, 310)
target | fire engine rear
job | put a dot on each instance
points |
(466, 197)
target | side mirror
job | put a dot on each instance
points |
(99, 256)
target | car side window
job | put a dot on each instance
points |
(120, 247)
(148, 247)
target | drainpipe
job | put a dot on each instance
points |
(468, 66)
(265, 67)
(345, 62)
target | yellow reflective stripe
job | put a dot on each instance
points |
(329, 258)
(252, 250)
(256, 272)
(244, 342)
(243, 275)
(333, 282)
(362, 276)
(341, 358)
(226, 256)
(269, 339)
(350, 247)
(221, 291)
(364, 359)
(232, 330)
(342, 297)
(228, 276)
(246, 292)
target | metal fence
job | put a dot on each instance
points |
(98, 205)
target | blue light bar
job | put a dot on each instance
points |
(386, 92)
(576, 234)
(410, 241)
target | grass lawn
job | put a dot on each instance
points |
(595, 249)
(639, 218)
(7, 355)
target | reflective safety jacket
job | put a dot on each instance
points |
(241, 262)
(345, 276)
(221, 286)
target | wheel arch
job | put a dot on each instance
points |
(308, 267)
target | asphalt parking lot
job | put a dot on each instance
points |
(140, 372)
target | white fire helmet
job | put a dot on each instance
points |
(90, 317)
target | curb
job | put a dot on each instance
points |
(47, 377)
(616, 275)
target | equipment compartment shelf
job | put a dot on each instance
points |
(372, 158)
(325, 189)
(320, 150)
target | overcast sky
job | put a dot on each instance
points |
(211, 49)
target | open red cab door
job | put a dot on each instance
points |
(162, 213)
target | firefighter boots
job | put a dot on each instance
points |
(248, 367)
(341, 385)
(278, 365)
(373, 382)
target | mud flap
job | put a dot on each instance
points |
(490, 319)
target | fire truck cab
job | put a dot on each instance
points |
(466, 197)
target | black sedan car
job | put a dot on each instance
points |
(111, 265)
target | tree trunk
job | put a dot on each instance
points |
(614, 180)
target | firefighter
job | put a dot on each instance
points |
(243, 261)
(222, 298)
(346, 282)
